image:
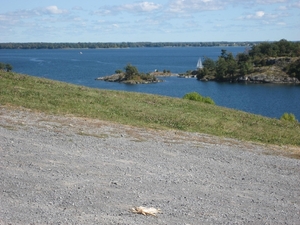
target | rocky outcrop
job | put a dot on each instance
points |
(111, 78)
(119, 78)
(141, 81)
(266, 78)
(273, 72)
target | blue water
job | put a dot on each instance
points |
(70, 66)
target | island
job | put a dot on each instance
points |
(267, 62)
(276, 62)
(131, 75)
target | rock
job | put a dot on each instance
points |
(111, 78)
(120, 78)
(264, 78)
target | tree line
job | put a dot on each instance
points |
(45, 45)
(227, 67)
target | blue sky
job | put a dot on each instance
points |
(153, 20)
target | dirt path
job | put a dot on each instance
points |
(67, 170)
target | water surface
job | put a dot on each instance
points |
(70, 66)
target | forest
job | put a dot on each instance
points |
(283, 56)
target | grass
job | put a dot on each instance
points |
(143, 110)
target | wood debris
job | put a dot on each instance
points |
(146, 211)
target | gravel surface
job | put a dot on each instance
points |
(68, 170)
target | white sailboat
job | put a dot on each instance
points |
(199, 64)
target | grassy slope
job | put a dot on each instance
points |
(143, 110)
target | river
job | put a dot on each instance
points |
(82, 66)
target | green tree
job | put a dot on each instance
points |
(245, 68)
(209, 64)
(8, 67)
(202, 73)
(285, 47)
(226, 65)
(242, 57)
(118, 71)
(294, 69)
(244, 63)
(2, 66)
(130, 72)
(224, 53)
(221, 68)
(231, 65)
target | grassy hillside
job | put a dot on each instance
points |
(143, 110)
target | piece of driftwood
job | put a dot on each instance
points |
(146, 211)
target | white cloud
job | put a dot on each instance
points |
(140, 7)
(256, 15)
(270, 1)
(263, 2)
(132, 8)
(26, 14)
(187, 6)
(267, 19)
(102, 12)
(296, 4)
(153, 16)
(276, 16)
(281, 24)
(77, 8)
(253, 3)
(77, 19)
(283, 7)
(54, 10)
(259, 14)
(3, 18)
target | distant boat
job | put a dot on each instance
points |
(199, 64)
(80, 53)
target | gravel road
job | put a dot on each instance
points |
(68, 170)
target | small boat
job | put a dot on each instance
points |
(199, 64)
(80, 53)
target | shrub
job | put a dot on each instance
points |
(118, 71)
(6, 67)
(194, 96)
(288, 117)
(208, 100)
(148, 77)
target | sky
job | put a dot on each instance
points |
(153, 20)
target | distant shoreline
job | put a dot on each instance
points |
(121, 45)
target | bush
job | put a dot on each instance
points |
(118, 71)
(148, 77)
(194, 96)
(288, 117)
(208, 100)
(6, 67)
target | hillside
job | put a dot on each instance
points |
(143, 110)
